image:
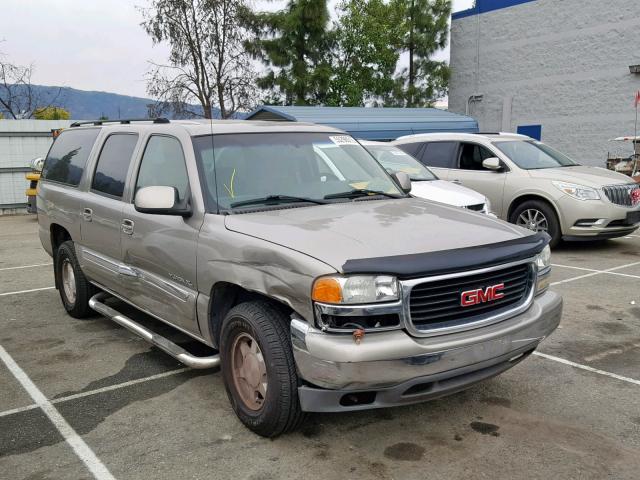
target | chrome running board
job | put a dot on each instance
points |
(167, 346)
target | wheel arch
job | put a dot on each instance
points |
(226, 295)
(516, 202)
(58, 235)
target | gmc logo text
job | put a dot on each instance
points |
(489, 294)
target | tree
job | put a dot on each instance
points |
(207, 62)
(368, 40)
(426, 31)
(51, 113)
(294, 44)
(18, 97)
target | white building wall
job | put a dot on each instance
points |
(20, 142)
(563, 64)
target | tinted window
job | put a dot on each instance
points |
(395, 160)
(411, 148)
(472, 155)
(439, 154)
(163, 165)
(113, 164)
(68, 156)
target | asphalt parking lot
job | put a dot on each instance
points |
(86, 398)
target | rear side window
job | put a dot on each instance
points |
(163, 165)
(113, 164)
(411, 148)
(439, 154)
(68, 156)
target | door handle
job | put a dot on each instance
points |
(87, 214)
(456, 181)
(127, 226)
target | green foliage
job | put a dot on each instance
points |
(51, 113)
(368, 38)
(294, 44)
(426, 31)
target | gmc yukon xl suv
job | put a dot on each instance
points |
(321, 293)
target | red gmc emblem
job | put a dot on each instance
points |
(635, 196)
(489, 294)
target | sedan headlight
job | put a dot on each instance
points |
(543, 262)
(579, 192)
(355, 289)
(487, 206)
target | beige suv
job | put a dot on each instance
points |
(533, 185)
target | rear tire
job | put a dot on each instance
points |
(538, 216)
(75, 290)
(259, 370)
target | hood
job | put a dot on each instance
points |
(339, 232)
(446, 192)
(583, 175)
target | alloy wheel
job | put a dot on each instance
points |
(533, 219)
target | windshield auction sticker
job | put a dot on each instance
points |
(343, 140)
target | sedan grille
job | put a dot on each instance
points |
(438, 304)
(621, 194)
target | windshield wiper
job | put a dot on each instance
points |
(276, 199)
(359, 192)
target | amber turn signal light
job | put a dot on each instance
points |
(327, 290)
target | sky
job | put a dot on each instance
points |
(90, 44)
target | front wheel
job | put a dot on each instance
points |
(259, 370)
(539, 217)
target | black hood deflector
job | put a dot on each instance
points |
(451, 261)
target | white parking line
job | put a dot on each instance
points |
(587, 368)
(97, 390)
(26, 291)
(25, 266)
(596, 272)
(81, 449)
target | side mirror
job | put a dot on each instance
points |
(492, 163)
(403, 181)
(160, 200)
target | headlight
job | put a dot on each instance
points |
(579, 192)
(355, 289)
(37, 163)
(543, 261)
(487, 206)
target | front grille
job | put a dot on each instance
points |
(438, 304)
(621, 194)
(476, 208)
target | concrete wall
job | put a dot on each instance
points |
(20, 142)
(563, 64)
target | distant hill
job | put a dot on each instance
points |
(89, 105)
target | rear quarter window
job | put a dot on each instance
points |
(68, 156)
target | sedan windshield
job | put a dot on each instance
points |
(532, 155)
(395, 160)
(266, 169)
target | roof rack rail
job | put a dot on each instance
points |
(124, 121)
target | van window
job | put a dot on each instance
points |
(113, 164)
(68, 156)
(472, 155)
(163, 165)
(439, 154)
(412, 149)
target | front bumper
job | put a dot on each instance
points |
(612, 219)
(393, 368)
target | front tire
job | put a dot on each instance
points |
(75, 290)
(259, 370)
(540, 217)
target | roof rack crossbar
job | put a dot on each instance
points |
(123, 121)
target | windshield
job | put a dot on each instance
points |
(532, 155)
(243, 168)
(395, 160)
